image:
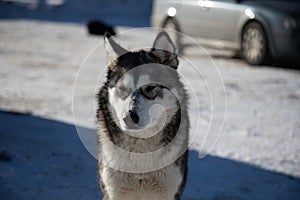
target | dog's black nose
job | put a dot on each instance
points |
(135, 118)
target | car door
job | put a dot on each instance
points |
(188, 16)
(220, 19)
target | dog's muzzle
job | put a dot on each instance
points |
(131, 118)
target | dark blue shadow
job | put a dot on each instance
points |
(115, 12)
(218, 178)
(45, 159)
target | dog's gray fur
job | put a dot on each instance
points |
(167, 180)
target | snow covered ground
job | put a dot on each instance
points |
(256, 157)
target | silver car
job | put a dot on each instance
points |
(259, 30)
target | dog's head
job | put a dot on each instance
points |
(143, 86)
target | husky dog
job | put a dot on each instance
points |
(143, 124)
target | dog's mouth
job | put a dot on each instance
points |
(146, 125)
(133, 121)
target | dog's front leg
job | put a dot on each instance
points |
(122, 193)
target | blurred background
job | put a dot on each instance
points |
(255, 44)
(123, 12)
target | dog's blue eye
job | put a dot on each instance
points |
(150, 88)
(122, 92)
(151, 91)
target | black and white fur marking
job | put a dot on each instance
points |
(136, 115)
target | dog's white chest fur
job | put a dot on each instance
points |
(161, 185)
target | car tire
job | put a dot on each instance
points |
(254, 45)
(174, 33)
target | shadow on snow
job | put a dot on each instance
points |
(45, 159)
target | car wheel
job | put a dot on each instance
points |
(254, 44)
(174, 33)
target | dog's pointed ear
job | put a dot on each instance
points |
(113, 49)
(164, 49)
